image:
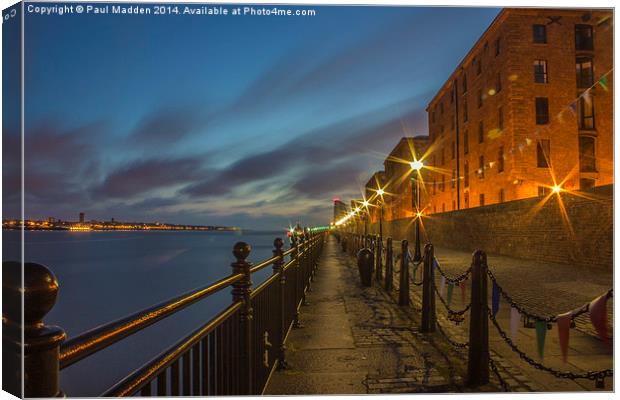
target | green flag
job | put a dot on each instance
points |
(603, 82)
(450, 289)
(541, 332)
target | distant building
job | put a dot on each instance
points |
(397, 177)
(81, 218)
(340, 210)
(528, 107)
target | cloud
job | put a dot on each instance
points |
(168, 125)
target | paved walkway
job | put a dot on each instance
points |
(357, 340)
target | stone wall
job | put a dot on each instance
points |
(515, 229)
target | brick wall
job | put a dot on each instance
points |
(513, 229)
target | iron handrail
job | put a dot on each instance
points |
(105, 335)
(269, 261)
(145, 374)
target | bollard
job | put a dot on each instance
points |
(378, 255)
(429, 317)
(41, 343)
(241, 293)
(403, 295)
(389, 265)
(278, 265)
(478, 362)
(365, 259)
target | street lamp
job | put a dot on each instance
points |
(381, 192)
(416, 165)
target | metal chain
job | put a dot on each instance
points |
(582, 310)
(447, 307)
(591, 375)
(450, 340)
(457, 279)
(501, 380)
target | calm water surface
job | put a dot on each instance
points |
(106, 275)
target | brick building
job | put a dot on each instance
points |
(396, 179)
(529, 106)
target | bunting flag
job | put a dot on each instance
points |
(563, 321)
(450, 289)
(561, 116)
(463, 290)
(515, 316)
(541, 332)
(495, 299)
(603, 82)
(442, 286)
(598, 316)
(573, 107)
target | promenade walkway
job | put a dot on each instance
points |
(358, 340)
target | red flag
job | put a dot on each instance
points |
(463, 287)
(563, 321)
(598, 316)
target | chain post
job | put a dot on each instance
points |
(389, 265)
(379, 254)
(278, 269)
(241, 292)
(478, 360)
(403, 295)
(295, 243)
(429, 316)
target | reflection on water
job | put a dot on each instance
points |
(106, 275)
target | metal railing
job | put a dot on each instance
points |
(479, 362)
(234, 353)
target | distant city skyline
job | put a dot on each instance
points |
(256, 122)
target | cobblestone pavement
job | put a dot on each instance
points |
(542, 288)
(358, 340)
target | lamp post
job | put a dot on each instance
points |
(381, 192)
(416, 166)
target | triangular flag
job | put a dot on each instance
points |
(495, 299)
(541, 332)
(563, 321)
(442, 285)
(515, 316)
(463, 287)
(598, 316)
(603, 82)
(573, 107)
(450, 289)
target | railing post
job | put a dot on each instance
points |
(429, 317)
(478, 362)
(379, 254)
(41, 343)
(295, 242)
(403, 295)
(278, 270)
(241, 293)
(389, 265)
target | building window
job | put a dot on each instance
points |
(481, 167)
(453, 149)
(433, 116)
(434, 186)
(478, 67)
(465, 142)
(542, 153)
(543, 191)
(585, 72)
(583, 37)
(500, 159)
(502, 196)
(453, 205)
(466, 174)
(540, 71)
(586, 112)
(585, 183)
(443, 183)
(464, 83)
(480, 132)
(481, 199)
(587, 160)
(497, 48)
(479, 98)
(453, 180)
(540, 33)
(500, 118)
(542, 110)
(465, 116)
(498, 83)
(441, 108)
(466, 199)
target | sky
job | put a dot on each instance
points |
(249, 121)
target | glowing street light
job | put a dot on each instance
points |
(557, 188)
(416, 165)
(365, 203)
(380, 192)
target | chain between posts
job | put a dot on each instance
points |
(457, 279)
(449, 339)
(591, 375)
(501, 380)
(447, 307)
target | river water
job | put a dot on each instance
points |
(104, 276)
